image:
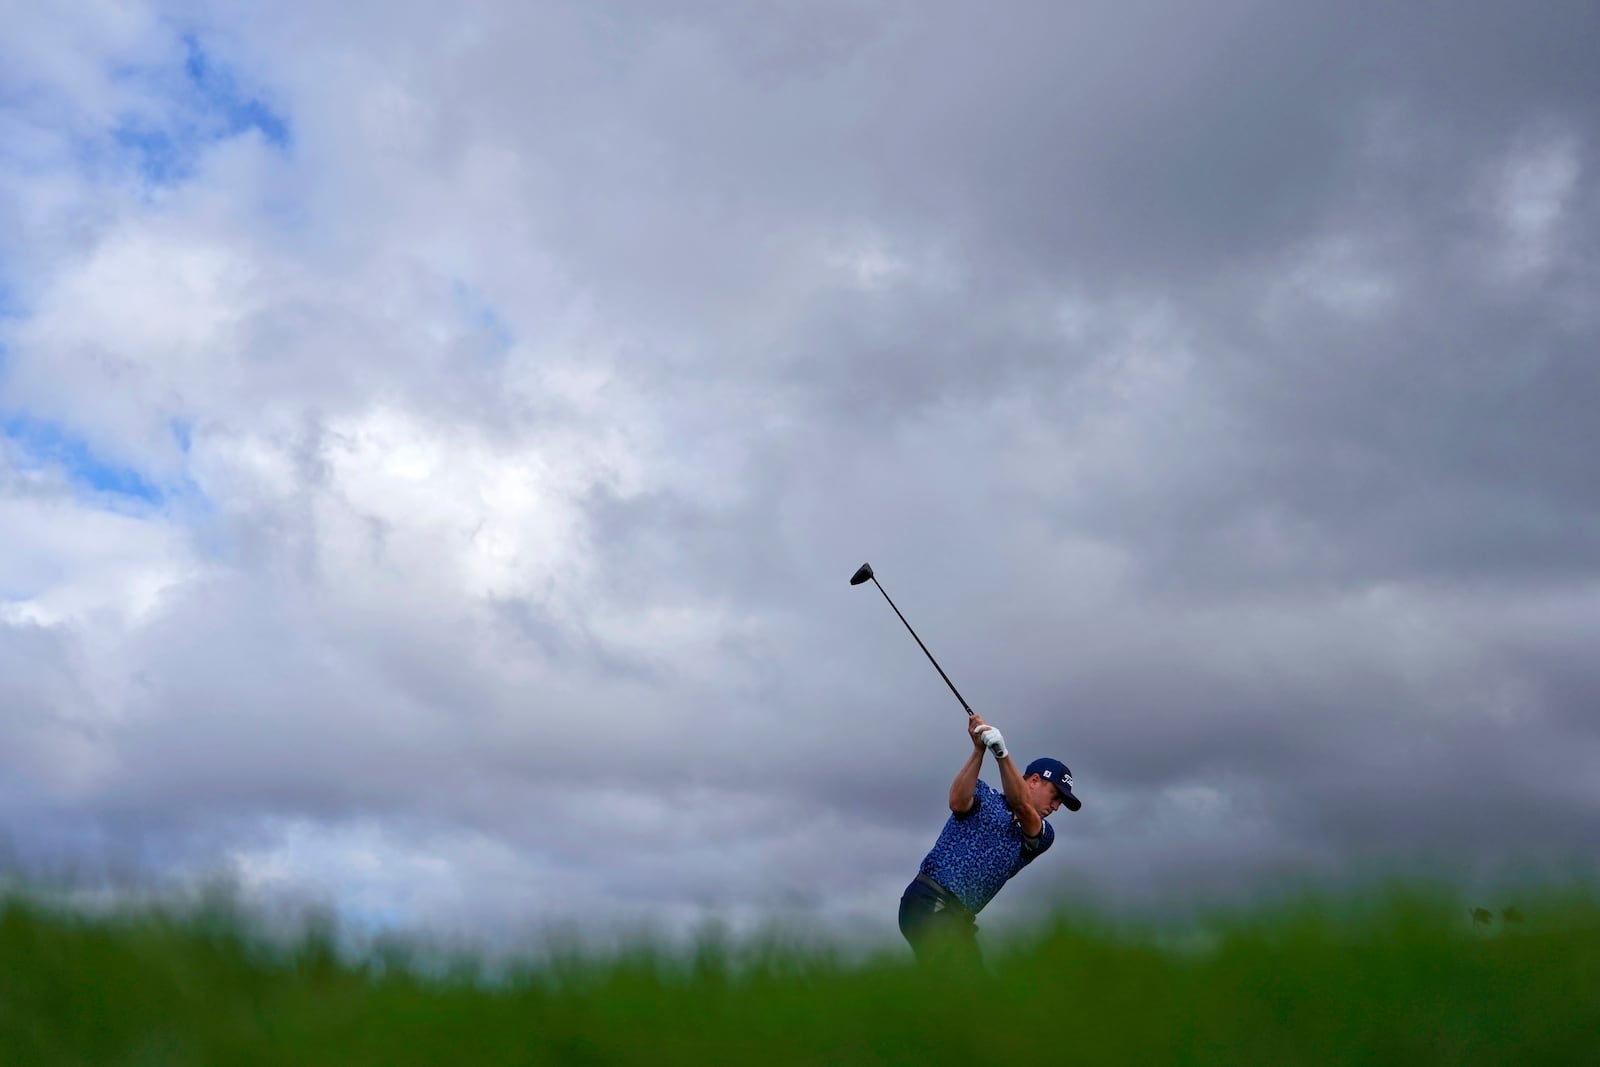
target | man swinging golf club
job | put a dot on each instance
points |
(989, 836)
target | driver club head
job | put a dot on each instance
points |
(861, 575)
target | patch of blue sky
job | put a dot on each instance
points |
(9, 310)
(5, 356)
(220, 95)
(484, 318)
(11, 301)
(41, 444)
(182, 433)
(203, 104)
(161, 157)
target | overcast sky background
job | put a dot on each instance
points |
(433, 447)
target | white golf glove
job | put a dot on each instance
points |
(993, 742)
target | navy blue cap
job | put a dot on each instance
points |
(1056, 773)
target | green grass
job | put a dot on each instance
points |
(1382, 976)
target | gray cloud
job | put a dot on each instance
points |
(1209, 387)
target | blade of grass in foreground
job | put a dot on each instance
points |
(1396, 976)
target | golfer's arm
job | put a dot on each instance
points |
(1017, 797)
(966, 783)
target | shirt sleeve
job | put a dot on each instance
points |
(980, 793)
(1036, 845)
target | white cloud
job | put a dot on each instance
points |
(1535, 189)
(64, 62)
(1344, 275)
(66, 561)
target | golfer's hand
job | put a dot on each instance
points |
(975, 726)
(986, 736)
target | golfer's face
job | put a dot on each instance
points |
(1045, 797)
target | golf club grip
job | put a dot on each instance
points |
(995, 748)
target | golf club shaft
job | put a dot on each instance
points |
(922, 646)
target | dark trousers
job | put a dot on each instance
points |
(938, 928)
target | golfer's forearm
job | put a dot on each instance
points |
(1016, 791)
(966, 783)
(1011, 783)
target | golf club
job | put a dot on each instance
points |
(863, 574)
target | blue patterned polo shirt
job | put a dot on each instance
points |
(978, 852)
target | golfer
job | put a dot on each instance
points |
(989, 837)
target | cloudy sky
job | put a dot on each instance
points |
(433, 447)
